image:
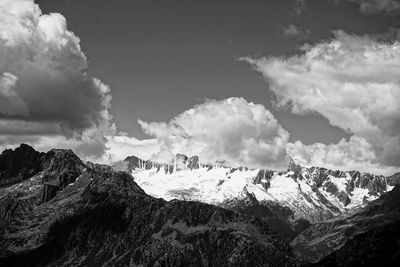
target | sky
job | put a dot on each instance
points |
(250, 82)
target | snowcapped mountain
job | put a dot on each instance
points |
(314, 194)
(56, 210)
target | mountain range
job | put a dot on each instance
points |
(56, 210)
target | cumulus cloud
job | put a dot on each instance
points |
(232, 129)
(352, 81)
(44, 85)
(355, 154)
(10, 102)
(122, 146)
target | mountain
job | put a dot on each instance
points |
(65, 212)
(369, 237)
(18, 165)
(289, 201)
(57, 210)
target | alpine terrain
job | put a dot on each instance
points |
(56, 210)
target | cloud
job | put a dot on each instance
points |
(299, 7)
(371, 7)
(290, 30)
(10, 102)
(352, 81)
(391, 35)
(45, 90)
(294, 31)
(232, 129)
(355, 154)
(122, 146)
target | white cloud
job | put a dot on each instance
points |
(10, 102)
(291, 30)
(232, 129)
(353, 81)
(122, 146)
(45, 92)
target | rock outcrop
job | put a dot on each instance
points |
(313, 194)
(367, 236)
(193, 163)
(19, 164)
(134, 163)
(105, 219)
(61, 168)
(180, 162)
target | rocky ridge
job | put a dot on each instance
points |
(307, 194)
(368, 237)
(100, 216)
(103, 218)
(20, 164)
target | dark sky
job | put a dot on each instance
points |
(162, 57)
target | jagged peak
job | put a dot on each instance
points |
(132, 157)
(25, 146)
(22, 147)
(293, 166)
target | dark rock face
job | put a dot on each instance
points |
(19, 164)
(323, 181)
(275, 216)
(180, 161)
(300, 225)
(135, 163)
(49, 191)
(294, 167)
(394, 179)
(377, 247)
(62, 167)
(19, 198)
(193, 162)
(368, 237)
(264, 177)
(378, 242)
(106, 219)
(59, 167)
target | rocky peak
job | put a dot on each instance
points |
(19, 164)
(193, 162)
(391, 200)
(105, 217)
(394, 179)
(263, 177)
(61, 168)
(133, 163)
(294, 167)
(180, 161)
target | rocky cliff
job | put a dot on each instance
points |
(367, 236)
(288, 200)
(103, 218)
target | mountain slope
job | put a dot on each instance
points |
(368, 233)
(287, 200)
(20, 164)
(103, 218)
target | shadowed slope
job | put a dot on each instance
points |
(105, 219)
